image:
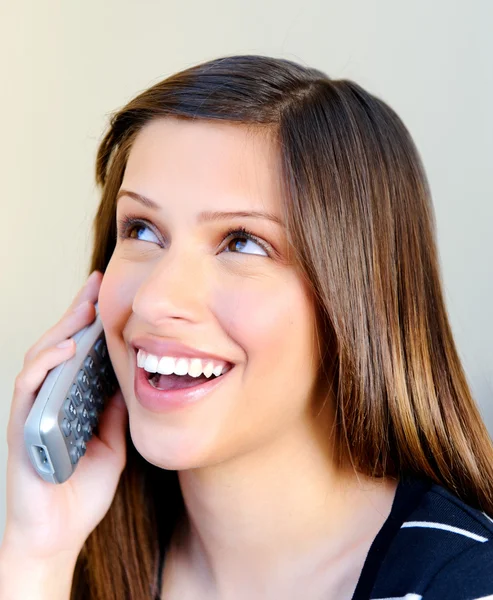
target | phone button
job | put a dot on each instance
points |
(83, 380)
(81, 445)
(90, 366)
(89, 400)
(83, 415)
(77, 428)
(70, 409)
(101, 349)
(66, 427)
(74, 454)
(76, 395)
(87, 432)
(98, 386)
(93, 417)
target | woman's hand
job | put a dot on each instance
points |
(45, 520)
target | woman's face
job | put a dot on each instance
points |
(179, 279)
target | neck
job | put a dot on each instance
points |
(276, 513)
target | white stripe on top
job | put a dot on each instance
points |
(490, 519)
(406, 597)
(431, 525)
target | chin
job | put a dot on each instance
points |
(173, 452)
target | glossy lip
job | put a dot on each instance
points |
(169, 348)
(165, 401)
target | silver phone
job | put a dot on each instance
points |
(66, 410)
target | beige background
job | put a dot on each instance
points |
(66, 65)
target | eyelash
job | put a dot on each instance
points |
(127, 222)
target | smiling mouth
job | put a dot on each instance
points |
(178, 382)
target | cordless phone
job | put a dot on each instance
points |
(66, 410)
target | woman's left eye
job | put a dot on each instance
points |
(128, 225)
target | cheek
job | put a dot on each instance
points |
(272, 321)
(267, 318)
(115, 298)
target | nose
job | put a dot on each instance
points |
(174, 289)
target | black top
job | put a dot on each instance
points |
(432, 546)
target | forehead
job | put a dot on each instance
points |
(233, 165)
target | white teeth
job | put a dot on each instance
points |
(141, 358)
(218, 370)
(166, 365)
(208, 369)
(151, 363)
(195, 367)
(180, 366)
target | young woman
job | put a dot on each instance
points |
(266, 234)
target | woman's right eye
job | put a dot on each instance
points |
(127, 226)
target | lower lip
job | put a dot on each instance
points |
(166, 400)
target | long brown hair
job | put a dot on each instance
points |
(361, 226)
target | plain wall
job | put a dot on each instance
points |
(67, 65)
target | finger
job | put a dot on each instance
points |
(69, 325)
(89, 290)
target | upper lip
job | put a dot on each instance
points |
(170, 348)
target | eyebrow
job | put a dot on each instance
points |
(206, 215)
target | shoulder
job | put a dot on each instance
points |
(442, 549)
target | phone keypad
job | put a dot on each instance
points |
(94, 382)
